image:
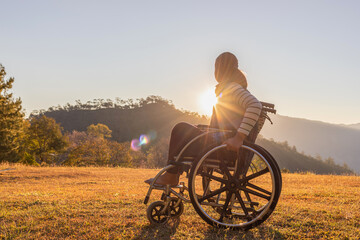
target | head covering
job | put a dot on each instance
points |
(226, 70)
(226, 113)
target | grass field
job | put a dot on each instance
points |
(107, 203)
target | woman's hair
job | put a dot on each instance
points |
(226, 69)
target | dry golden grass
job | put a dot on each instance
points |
(107, 203)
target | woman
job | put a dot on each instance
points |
(236, 109)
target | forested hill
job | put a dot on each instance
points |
(129, 119)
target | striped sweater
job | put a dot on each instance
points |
(236, 107)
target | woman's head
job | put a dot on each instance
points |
(226, 69)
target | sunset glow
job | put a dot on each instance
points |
(206, 101)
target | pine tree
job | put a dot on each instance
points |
(11, 120)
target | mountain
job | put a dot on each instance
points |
(317, 138)
(289, 158)
(131, 119)
(127, 121)
(356, 125)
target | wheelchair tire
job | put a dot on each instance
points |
(176, 207)
(276, 165)
(154, 215)
(261, 188)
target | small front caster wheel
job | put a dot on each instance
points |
(157, 214)
(176, 207)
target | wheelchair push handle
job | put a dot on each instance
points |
(268, 107)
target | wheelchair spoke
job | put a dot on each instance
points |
(156, 212)
(227, 201)
(225, 170)
(226, 204)
(249, 200)
(216, 192)
(252, 166)
(213, 177)
(238, 196)
(255, 193)
(258, 188)
(255, 175)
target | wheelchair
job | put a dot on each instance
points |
(227, 189)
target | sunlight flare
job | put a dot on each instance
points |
(207, 100)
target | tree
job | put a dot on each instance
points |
(158, 153)
(45, 139)
(120, 154)
(345, 166)
(99, 130)
(94, 151)
(11, 120)
(330, 161)
(91, 148)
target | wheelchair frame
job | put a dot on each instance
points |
(160, 212)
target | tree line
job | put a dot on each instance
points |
(118, 103)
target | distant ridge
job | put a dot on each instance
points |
(317, 138)
(289, 158)
(356, 125)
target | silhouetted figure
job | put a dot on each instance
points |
(236, 109)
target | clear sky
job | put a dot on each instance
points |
(304, 56)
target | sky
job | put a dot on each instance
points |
(303, 56)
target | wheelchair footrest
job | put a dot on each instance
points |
(162, 187)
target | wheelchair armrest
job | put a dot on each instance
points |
(207, 128)
(179, 163)
(202, 126)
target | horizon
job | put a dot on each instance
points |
(302, 56)
(206, 115)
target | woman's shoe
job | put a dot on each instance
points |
(149, 181)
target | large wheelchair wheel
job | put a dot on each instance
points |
(235, 191)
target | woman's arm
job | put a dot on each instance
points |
(252, 108)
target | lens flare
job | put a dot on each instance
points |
(135, 145)
(143, 139)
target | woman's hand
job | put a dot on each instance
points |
(234, 143)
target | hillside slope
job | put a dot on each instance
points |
(289, 158)
(127, 123)
(356, 126)
(317, 138)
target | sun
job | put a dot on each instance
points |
(206, 101)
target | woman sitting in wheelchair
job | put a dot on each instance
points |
(237, 110)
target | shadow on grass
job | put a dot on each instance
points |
(159, 231)
(260, 232)
(168, 231)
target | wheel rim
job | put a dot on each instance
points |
(231, 202)
(156, 215)
(176, 207)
